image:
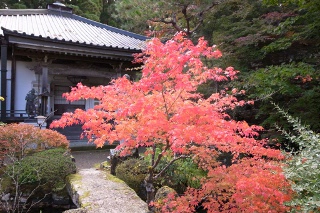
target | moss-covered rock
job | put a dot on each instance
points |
(163, 193)
(162, 196)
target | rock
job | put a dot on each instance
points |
(162, 194)
(6, 197)
(60, 199)
(76, 211)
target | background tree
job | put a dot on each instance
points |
(90, 9)
(276, 47)
(164, 17)
(108, 8)
(164, 111)
(280, 39)
(25, 4)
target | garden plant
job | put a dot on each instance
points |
(34, 163)
(163, 110)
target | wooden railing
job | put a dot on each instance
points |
(15, 116)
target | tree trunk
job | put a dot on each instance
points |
(150, 190)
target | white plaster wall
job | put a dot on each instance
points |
(24, 79)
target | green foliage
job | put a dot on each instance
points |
(255, 35)
(288, 79)
(23, 4)
(293, 86)
(235, 26)
(96, 10)
(275, 45)
(129, 12)
(33, 168)
(19, 6)
(278, 2)
(303, 168)
(133, 171)
(183, 174)
(179, 175)
(90, 16)
(163, 17)
(49, 167)
(108, 9)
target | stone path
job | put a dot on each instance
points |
(90, 158)
(97, 191)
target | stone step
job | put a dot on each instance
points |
(79, 145)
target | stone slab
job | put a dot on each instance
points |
(97, 191)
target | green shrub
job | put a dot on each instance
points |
(184, 173)
(181, 174)
(30, 166)
(133, 171)
(47, 168)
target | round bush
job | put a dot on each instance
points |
(48, 168)
(133, 171)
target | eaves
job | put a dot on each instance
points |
(23, 40)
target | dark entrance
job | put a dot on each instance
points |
(61, 105)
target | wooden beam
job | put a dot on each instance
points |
(4, 59)
(64, 47)
(58, 69)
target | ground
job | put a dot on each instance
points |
(90, 159)
(102, 192)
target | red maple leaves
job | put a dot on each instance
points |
(164, 109)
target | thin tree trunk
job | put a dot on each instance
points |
(150, 190)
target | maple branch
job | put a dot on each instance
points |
(165, 104)
(161, 154)
(176, 98)
(169, 164)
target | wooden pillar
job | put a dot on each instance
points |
(4, 58)
(44, 88)
(13, 79)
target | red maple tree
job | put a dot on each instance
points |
(164, 110)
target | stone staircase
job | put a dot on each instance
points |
(73, 134)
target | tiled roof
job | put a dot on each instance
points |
(67, 27)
